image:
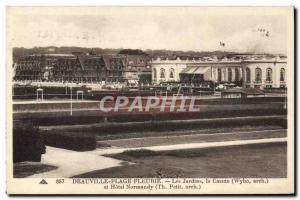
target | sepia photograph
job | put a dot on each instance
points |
(150, 100)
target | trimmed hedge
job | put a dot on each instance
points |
(28, 144)
(170, 125)
(50, 119)
(68, 140)
(119, 128)
(29, 92)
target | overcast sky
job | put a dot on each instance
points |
(198, 29)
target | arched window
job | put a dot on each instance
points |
(237, 74)
(229, 75)
(219, 75)
(248, 75)
(162, 73)
(171, 73)
(282, 74)
(269, 75)
(154, 73)
(258, 75)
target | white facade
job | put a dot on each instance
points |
(273, 73)
(167, 67)
(264, 72)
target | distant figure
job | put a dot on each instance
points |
(222, 44)
(267, 34)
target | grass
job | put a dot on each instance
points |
(25, 169)
(124, 139)
(130, 155)
(128, 129)
(95, 116)
(247, 161)
(89, 137)
(139, 153)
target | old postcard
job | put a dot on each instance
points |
(150, 100)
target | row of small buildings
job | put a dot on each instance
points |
(259, 71)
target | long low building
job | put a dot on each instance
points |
(259, 71)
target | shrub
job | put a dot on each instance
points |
(171, 125)
(74, 141)
(28, 144)
(139, 153)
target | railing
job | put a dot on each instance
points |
(257, 82)
(268, 81)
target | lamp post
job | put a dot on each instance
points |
(71, 111)
(285, 99)
(37, 94)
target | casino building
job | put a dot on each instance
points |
(259, 71)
